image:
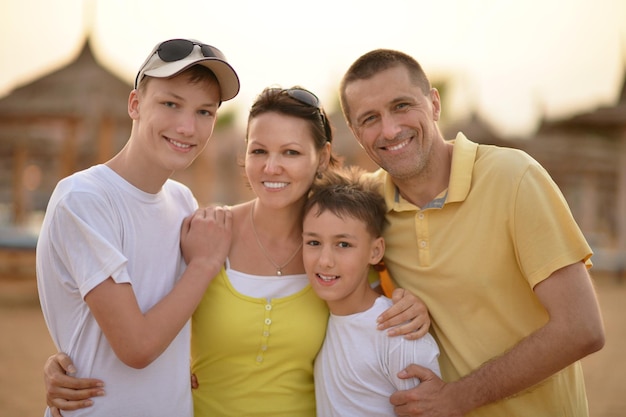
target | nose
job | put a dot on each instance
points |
(390, 128)
(186, 124)
(327, 258)
(273, 164)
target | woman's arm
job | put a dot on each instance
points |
(408, 309)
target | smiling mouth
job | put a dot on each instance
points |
(179, 144)
(275, 185)
(327, 278)
(397, 146)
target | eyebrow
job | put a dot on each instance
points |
(181, 98)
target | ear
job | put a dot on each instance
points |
(436, 103)
(324, 157)
(378, 250)
(133, 104)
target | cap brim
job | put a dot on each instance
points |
(225, 74)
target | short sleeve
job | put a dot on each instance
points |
(86, 237)
(546, 235)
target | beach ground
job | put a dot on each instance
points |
(25, 345)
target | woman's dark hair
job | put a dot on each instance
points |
(296, 102)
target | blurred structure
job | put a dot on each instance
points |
(66, 121)
(77, 116)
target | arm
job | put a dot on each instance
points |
(574, 330)
(138, 338)
(408, 309)
(205, 241)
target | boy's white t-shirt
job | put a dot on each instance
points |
(98, 225)
(356, 369)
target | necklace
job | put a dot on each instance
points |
(278, 267)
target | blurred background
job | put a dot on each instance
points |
(545, 76)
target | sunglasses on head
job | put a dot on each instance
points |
(177, 49)
(308, 98)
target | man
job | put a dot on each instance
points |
(485, 237)
(113, 288)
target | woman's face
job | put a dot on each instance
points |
(281, 158)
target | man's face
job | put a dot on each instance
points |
(175, 119)
(394, 121)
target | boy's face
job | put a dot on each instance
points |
(337, 254)
(175, 119)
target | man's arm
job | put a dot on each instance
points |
(138, 338)
(574, 330)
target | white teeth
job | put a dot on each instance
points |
(179, 144)
(275, 184)
(327, 278)
(398, 146)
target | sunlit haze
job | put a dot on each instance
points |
(512, 62)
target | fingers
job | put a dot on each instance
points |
(69, 399)
(55, 412)
(59, 404)
(194, 381)
(206, 235)
(408, 316)
(65, 362)
(413, 330)
(66, 392)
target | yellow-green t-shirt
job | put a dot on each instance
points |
(474, 255)
(254, 357)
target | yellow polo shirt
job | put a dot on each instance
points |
(474, 255)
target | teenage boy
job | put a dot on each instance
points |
(357, 367)
(114, 290)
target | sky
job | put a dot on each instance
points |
(513, 63)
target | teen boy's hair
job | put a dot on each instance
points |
(196, 74)
(348, 193)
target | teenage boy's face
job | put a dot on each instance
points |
(175, 118)
(337, 254)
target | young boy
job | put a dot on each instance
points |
(356, 369)
(111, 278)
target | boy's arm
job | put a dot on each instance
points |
(205, 241)
(139, 338)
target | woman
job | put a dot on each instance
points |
(259, 326)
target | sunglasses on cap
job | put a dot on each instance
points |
(309, 99)
(176, 49)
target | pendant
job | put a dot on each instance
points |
(278, 272)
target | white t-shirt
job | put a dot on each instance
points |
(355, 371)
(97, 225)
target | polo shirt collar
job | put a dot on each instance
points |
(463, 157)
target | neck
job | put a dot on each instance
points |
(138, 171)
(271, 245)
(423, 188)
(277, 224)
(360, 300)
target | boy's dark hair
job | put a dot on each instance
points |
(195, 74)
(348, 193)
